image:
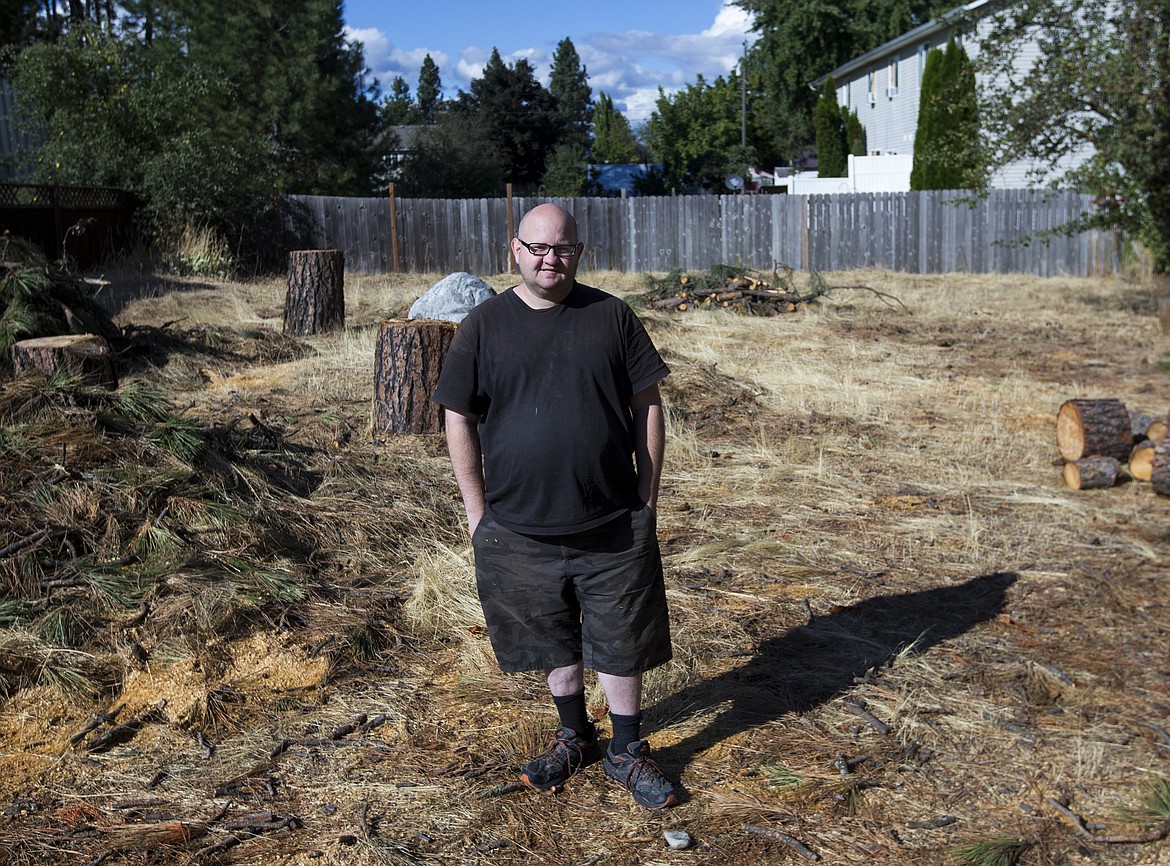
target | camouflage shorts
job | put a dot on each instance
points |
(596, 596)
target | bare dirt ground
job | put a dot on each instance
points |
(899, 637)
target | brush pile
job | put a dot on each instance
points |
(734, 289)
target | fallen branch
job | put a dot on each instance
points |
(783, 838)
(1157, 834)
(125, 732)
(858, 709)
(22, 543)
(95, 723)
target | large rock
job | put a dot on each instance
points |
(451, 298)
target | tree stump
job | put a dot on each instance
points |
(86, 356)
(1141, 461)
(1085, 428)
(407, 360)
(1090, 473)
(316, 292)
(1160, 468)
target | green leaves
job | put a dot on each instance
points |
(1098, 89)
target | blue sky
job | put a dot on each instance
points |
(629, 47)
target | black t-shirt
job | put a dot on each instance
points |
(552, 390)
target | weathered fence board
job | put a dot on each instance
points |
(1007, 231)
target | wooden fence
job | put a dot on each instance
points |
(1008, 231)
(86, 223)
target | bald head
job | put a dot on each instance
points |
(548, 218)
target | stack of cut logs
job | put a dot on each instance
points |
(740, 293)
(1097, 437)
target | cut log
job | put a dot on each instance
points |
(1160, 468)
(1157, 430)
(1091, 473)
(407, 360)
(86, 356)
(1141, 461)
(315, 302)
(1085, 428)
(1139, 423)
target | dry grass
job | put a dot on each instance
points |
(860, 513)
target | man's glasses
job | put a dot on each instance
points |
(563, 251)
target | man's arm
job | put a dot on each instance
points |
(467, 462)
(649, 442)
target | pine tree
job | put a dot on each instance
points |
(398, 109)
(613, 140)
(572, 96)
(430, 90)
(515, 115)
(830, 132)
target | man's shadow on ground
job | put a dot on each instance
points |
(813, 663)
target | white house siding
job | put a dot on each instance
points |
(891, 121)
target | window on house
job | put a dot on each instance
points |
(892, 76)
(871, 85)
(921, 62)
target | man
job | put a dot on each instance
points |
(555, 429)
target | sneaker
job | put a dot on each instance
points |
(635, 770)
(568, 753)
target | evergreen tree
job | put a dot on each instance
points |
(613, 140)
(830, 129)
(18, 24)
(567, 172)
(430, 90)
(399, 109)
(572, 96)
(854, 132)
(946, 142)
(297, 83)
(515, 115)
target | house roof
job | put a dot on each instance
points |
(943, 24)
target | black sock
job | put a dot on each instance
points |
(571, 709)
(626, 729)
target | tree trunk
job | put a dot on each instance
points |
(407, 360)
(86, 356)
(1090, 473)
(1085, 428)
(1160, 468)
(316, 292)
(1141, 461)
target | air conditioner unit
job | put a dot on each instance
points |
(872, 98)
(890, 92)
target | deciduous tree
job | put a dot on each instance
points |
(1099, 88)
(696, 134)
